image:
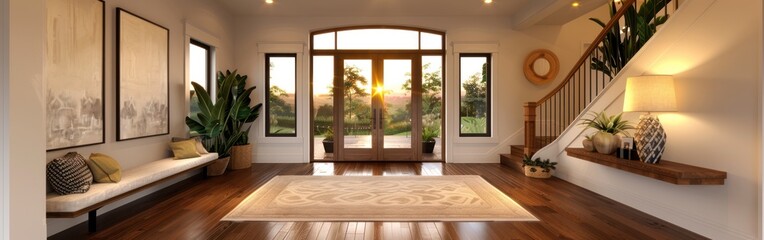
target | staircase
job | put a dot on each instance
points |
(620, 39)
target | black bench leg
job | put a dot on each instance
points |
(92, 221)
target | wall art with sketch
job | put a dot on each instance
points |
(74, 73)
(142, 77)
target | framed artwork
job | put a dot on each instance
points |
(74, 73)
(143, 97)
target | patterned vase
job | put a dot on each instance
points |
(605, 143)
(650, 138)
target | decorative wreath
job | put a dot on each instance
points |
(541, 78)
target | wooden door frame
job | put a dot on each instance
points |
(377, 152)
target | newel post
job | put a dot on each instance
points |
(530, 127)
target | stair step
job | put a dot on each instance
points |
(514, 159)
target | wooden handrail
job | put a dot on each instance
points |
(550, 129)
(590, 49)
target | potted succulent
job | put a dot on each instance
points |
(428, 139)
(537, 168)
(606, 141)
(214, 123)
(328, 141)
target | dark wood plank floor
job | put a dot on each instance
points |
(192, 209)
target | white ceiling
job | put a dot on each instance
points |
(535, 11)
(374, 8)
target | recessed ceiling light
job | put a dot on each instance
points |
(269, 1)
(487, 1)
(575, 4)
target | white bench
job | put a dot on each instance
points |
(133, 181)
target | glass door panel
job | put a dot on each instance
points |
(323, 108)
(357, 112)
(396, 111)
(432, 104)
(378, 108)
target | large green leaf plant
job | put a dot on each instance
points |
(622, 42)
(225, 122)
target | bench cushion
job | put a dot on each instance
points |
(131, 179)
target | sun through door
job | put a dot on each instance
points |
(377, 94)
(377, 108)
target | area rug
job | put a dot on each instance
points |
(378, 198)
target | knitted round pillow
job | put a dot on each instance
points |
(69, 174)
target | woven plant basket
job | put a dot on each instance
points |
(218, 167)
(241, 157)
(538, 173)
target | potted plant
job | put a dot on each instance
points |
(328, 141)
(537, 168)
(606, 140)
(215, 120)
(428, 139)
(588, 144)
(242, 117)
(622, 42)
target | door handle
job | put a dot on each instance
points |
(373, 118)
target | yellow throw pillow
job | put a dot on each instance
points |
(184, 149)
(199, 146)
(105, 169)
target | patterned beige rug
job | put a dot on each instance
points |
(377, 198)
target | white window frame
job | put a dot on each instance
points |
(301, 86)
(210, 40)
(454, 89)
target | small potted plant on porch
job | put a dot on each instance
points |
(328, 140)
(537, 168)
(428, 139)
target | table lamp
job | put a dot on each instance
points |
(650, 94)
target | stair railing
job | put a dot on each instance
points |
(548, 117)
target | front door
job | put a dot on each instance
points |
(378, 107)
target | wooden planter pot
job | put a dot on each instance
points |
(241, 157)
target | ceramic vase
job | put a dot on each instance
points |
(588, 145)
(605, 143)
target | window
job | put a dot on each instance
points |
(378, 39)
(199, 66)
(474, 97)
(281, 81)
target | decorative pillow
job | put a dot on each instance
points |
(199, 146)
(184, 149)
(69, 174)
(105, 169)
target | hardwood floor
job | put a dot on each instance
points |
(191, 210)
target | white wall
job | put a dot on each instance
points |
(510, 87)
(713, 49)
(206, 16)
(26, 152)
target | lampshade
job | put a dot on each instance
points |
(650, 94)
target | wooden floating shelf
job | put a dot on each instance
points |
(676, 173)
